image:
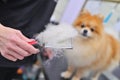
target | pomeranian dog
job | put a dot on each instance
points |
(93, 48)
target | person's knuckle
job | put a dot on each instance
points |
(8, 46)
(18, 32)
(12, 39)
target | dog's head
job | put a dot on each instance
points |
(89, 26)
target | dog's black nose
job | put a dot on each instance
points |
(85, 31)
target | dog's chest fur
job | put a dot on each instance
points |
(81, 55)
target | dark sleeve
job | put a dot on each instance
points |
(29, 16)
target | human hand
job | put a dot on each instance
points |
(14, 45)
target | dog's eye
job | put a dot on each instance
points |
(82, 25)
(92, 30)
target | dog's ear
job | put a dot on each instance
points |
(84, 12)
(81, 15)
(100, 16)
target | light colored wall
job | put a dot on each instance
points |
(59, 10)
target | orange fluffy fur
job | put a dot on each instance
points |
(98, 52)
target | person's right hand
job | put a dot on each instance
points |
(14, 45)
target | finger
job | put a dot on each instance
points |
(10, 57)
(25, 46)
(16, 55)
(4, 53)
(19, 50)
(24, 38)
